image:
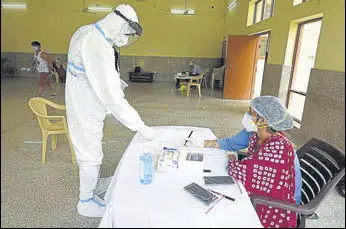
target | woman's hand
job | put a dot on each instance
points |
(211, 144)
(231, 157)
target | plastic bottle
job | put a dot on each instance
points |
(146, 167)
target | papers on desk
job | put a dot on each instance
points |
(192, 159)
(164, 203)
(171, 160)
(168, 161)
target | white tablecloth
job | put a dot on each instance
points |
(182, 77)
(164, 202)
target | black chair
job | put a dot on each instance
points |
(341, 187)
(322, 166)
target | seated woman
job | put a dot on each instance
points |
(268, 169)
(241, 141)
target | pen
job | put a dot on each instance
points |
(227, 197)
(189, 136)
(209, 209)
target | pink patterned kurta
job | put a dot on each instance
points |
(269, 171)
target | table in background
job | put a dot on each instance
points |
(181, 76)
(141, 76)
(164, 202)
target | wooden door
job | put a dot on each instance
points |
(241, 59)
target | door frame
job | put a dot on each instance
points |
(223, 58)
(269, 38)
(268, 32)
(294, 60)
(225, 63)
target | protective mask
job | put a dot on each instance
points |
(120, 41)
(248, 124)
(36, 48)
(127, 35)
(260, 124)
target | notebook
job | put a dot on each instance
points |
(218, 180)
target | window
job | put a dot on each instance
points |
(297, 2)
(303, 61)
(258, 14)
(268, 9)
(263, 10)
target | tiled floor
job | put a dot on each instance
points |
(45, 195)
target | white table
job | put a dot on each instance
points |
(164, 202)
(182, 77)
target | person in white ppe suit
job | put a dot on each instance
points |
(93, 88)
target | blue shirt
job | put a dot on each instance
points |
(241, 141)
(196, 70)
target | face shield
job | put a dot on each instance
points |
(132, 38)
(132, 31)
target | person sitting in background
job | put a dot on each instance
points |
(195, 69)
(59, 68)
(269, 168)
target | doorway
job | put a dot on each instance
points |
(263, 50)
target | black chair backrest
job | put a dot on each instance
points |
(137, 69)
(320, 162)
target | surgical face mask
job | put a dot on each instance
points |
(132, 38)
(120, 41)
(36, 48)
(259, 122)
(248, 124)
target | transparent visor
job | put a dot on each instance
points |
(132, 39)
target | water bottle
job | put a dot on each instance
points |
(146, 167)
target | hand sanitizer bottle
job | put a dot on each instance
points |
(146, 167)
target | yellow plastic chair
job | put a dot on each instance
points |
(38, 105)
(196, 81)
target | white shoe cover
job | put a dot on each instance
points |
(102, 185)
(93, 207)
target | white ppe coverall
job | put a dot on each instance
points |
(93, 88)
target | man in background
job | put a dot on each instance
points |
(195, 69)
(43, 66)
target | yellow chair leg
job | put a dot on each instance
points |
(188, 90)
(77, 170)
(54, 141)
(199, 90)
(44, 146)
(71, 148)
